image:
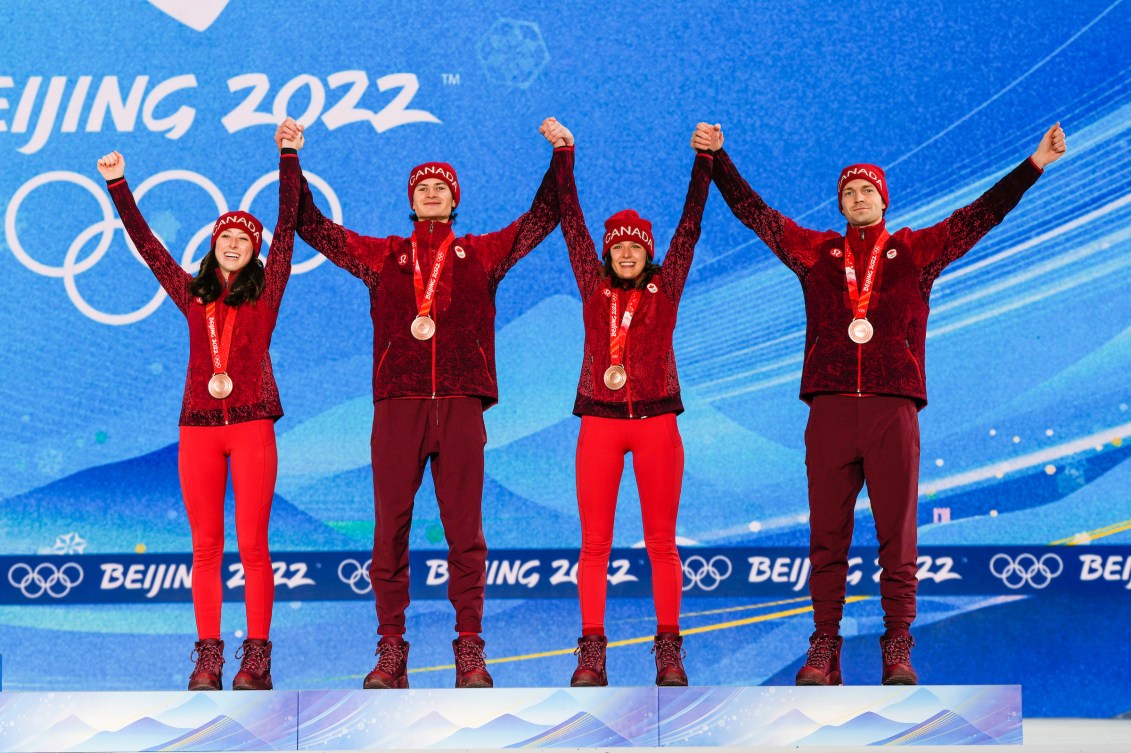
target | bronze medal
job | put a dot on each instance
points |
(220, 386)
(860, 331)
(615, 377)
(423, 328)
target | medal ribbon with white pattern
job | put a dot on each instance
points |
(220, 385)
(860, 330)
(615, 375)
(423, 327)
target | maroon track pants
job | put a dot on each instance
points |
(850, 440)
(406, 434)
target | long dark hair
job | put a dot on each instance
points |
(617, 281)
(248, 286)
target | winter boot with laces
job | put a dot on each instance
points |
(822, 665)
(896, 650)
(668, 648)
(392, 664)
(208, 673)
(590, 670)
(255, 666)
(471, 663)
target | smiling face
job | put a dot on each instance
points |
(234, 250)
(861, 203)
(432, 200)
(629, 259)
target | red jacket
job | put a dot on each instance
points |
(653, 385)
(254, 393)
(892, 362)
(459, 360)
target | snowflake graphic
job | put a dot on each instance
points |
(70, 543)
(513, 53)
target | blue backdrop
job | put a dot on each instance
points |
(1026, 483)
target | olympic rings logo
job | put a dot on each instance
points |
(697, 571)
(357, 577)
(45, 578)
(1026, 569)
(104, 228)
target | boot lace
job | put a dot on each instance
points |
(469, 656)
(391, 657)
(668, 652)
(590, 655)
(253, 656)
(897, 649)
(209, 657)
(820, 652)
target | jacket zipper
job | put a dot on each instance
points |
(628, 385)
(486, 367)
(433, 312)
(384, 355)
(859, 367)
(810, 353)
(914, 360)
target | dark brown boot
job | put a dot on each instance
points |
(471, 663)
(208, 674)
(896, 650)
(822, 665)
(255, 666)
(392, 665)
(668, 648)
(590, 670)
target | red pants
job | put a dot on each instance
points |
(850, 440)
(203, 463)
(406, 434)
(657, 458)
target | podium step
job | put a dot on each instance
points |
(511, 717)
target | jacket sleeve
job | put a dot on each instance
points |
(677, 261)
(582, 251)
(360, 255)
(173, 279)
(277, 270)
(502, 249)
(935, 247)
(796, 246)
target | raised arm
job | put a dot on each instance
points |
(935, 247)
(677, 261)
(169, 273)
(503, 249)
(278, 268)
(582, 251)
(360, 255)
(794, 245)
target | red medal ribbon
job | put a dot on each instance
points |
(424, 295)
(861, 297)
(618, 332)
(223, 343)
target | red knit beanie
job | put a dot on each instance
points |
(627, 225)
(243, 221)
(438, 170)
(863, 171)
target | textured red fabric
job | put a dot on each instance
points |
(847, 440)
(653, 384)
(892, 363)
(254, 393)
(460, 358)
(657, 459)
(202, 459)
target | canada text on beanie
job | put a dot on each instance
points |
(242, 221)
(864, 171)
(627, 225)
(439, 171)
